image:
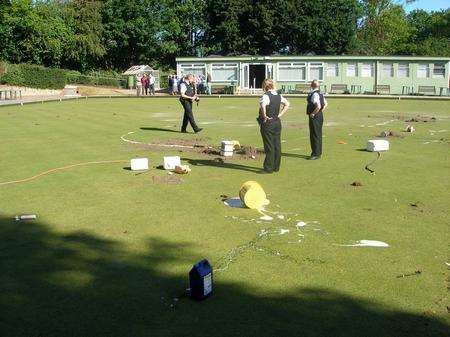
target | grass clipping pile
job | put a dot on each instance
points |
(200, 146)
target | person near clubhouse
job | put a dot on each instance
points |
(187, 97)
(270, 124)
(316, 105)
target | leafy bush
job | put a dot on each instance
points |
(33, 76)
(74, 77)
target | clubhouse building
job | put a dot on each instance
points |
(396, 75)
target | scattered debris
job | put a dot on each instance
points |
(385, 134)
(25, 217)
(356, 183)
(410, 128)
(421, 119)
(341, 142)
(417, 272)
(211, 151)
(368, 243)
(182, 169)
(414, 204)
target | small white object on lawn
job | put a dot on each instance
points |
(368, 243)
(171, 162)
(377, 145)
(139, 164)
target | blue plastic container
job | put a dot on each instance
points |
(201, 280)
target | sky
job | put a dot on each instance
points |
(428, 5)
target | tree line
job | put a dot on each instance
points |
(114, 34)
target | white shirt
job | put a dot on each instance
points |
(316, 100)
(265, 100)
(183, 87)
(152, 80)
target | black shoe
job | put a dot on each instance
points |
(198, 130)
(184, 131)
(314, 157)
(266, 172)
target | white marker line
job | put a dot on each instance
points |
(151, 144)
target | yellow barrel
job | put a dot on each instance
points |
(252, 195)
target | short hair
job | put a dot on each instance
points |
(315, 84)
(268, 84)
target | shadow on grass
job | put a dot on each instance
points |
(79, 284)
(159, 129)
(222, 164)
(294, 155)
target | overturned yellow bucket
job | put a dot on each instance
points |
(252, 195)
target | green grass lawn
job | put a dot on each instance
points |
(111, 249)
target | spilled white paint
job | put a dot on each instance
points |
(368, 243)
(234, 203)
(266, 218)
(281, 217)
(284, 231)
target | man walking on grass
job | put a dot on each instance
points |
(315, 108)
(187, 97)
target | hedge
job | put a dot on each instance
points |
(77, 78)
(33, 76)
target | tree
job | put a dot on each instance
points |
(431, 32)
(33, 32)
(289, 26)
(84, 48)
(384, 29)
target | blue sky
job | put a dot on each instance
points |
(429, 5)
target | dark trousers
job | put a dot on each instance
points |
(152, 89)
(146, 90)
(188, 115)
(271, 135)
(315, 134)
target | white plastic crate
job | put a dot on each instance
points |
(377, 145)
(139, 164)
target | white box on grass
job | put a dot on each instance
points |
(226, 153)
(139, 164)
(171, 162)
(377, 145)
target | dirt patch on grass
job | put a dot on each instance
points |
(200, 146)
(167, 180)
(390, 133)
(421, 119)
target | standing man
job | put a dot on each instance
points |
(151, 84)
(315, 108)
(138, 84)
(208, 83)
(187, 97)
(170, 85)
(270, 125)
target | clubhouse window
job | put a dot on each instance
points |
(352, 70)
(194, 68)
(423, 71)
(403, 70)
(388, 70)
(367, 70)
(439, 70)
(291, 71)
(224, 72)
(332, 70)
(316, 71)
